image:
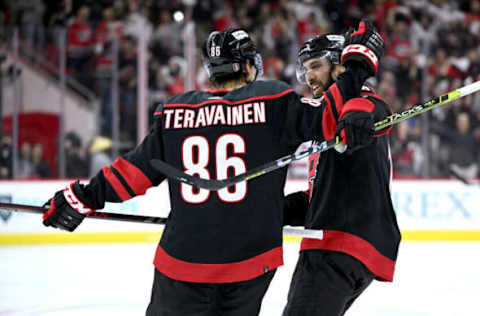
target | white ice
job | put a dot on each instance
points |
(432, 279)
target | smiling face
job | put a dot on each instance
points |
(317, 75)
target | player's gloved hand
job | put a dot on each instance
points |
(67, 209)
(355, 130)
(363, 45)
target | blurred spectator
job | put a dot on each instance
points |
(167, 39)
(80, 45)
(106, 33)
(128, 87)
(25, 164)
(6, 157)
(137, 22)
(399, 48)
(279, 35)
(76, 165)
(100, 154)
(407, 153)
(463, 148)
(311, 20)
(30, 15)
(40, 166)
(61, 14)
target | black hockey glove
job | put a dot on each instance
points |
(67, 209)
(363, 45)
(356, 130)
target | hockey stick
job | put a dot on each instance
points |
(215, 185)
(97, 215)
(298, 232)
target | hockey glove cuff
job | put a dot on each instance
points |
(67, 209)
(363, 45)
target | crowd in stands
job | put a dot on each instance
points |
(81, 161)
(432, 47)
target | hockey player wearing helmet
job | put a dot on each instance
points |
(349, 197)
(219, 249)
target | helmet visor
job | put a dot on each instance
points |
(301, 71)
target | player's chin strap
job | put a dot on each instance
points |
(215, 185)
(291, 231)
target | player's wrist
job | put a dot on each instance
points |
(76, 199)
(67, 209)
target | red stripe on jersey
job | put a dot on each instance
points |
(337, 97)
(356, 247)
(271, 96)
(116, 184)
(329, 123)
(135, 178)
(157, 113)
(383, 132)
(217, 272)
(358, 104)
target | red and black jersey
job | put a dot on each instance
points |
(233, 234)
(349, 196)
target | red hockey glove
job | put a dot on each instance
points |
(67, 209)
(363, 45)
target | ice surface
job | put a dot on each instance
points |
(432, 279)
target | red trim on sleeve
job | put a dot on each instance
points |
(376, 96)
(135, 178)
(358, 104)
(329, 124)
(116, 184)
(337, 97)
(356, 247)
(217, 273)
(383, 132)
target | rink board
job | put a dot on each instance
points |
(427, 210)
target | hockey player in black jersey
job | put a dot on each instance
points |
(349, 195)
(220, 249)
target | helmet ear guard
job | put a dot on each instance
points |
(226, 53)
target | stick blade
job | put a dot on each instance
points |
(178, 175)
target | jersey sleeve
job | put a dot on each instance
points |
(380, 112)
(129, 175)
(307, 119)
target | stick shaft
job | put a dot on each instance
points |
(298, 232)
(96, 215)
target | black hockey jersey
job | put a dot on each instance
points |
(233, 234)
(349, 197)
